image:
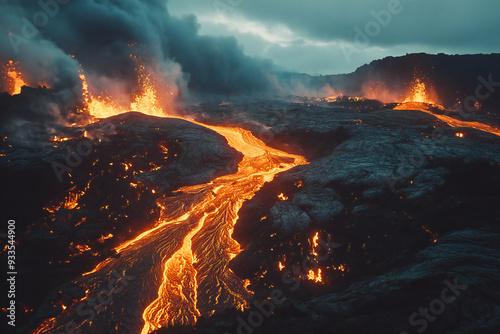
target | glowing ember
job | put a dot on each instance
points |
(103, 238)
(340, 98)
(59, 139)
(315, 244)
(316, 277)
(340, 267)
(315, 240)
(433, 235)
(281, 266)
(459, 134)
(154, 97)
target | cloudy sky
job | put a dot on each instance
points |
(337, 36)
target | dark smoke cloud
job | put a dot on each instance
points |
(98, 33)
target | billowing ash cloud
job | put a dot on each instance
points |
(52, 38)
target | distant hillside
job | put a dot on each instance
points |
(452, 77)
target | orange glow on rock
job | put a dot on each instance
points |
(315, 240)
(316, 277)
(281, 266)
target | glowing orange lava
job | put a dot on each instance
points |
(315, 244)
(98, 106)
(154, 96)
(191, 242)
(15, 77)
(315, 240)
(281, 266)
(418, 93)
(316, 277)
(282, 197)
(204, 285)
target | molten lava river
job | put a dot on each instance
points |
(178, 270)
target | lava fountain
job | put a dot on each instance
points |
(180, 263)
(418, 99)
(418, 93)
(154, 96)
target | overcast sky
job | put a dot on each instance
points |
(322, 36)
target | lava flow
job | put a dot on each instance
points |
(180, 265)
